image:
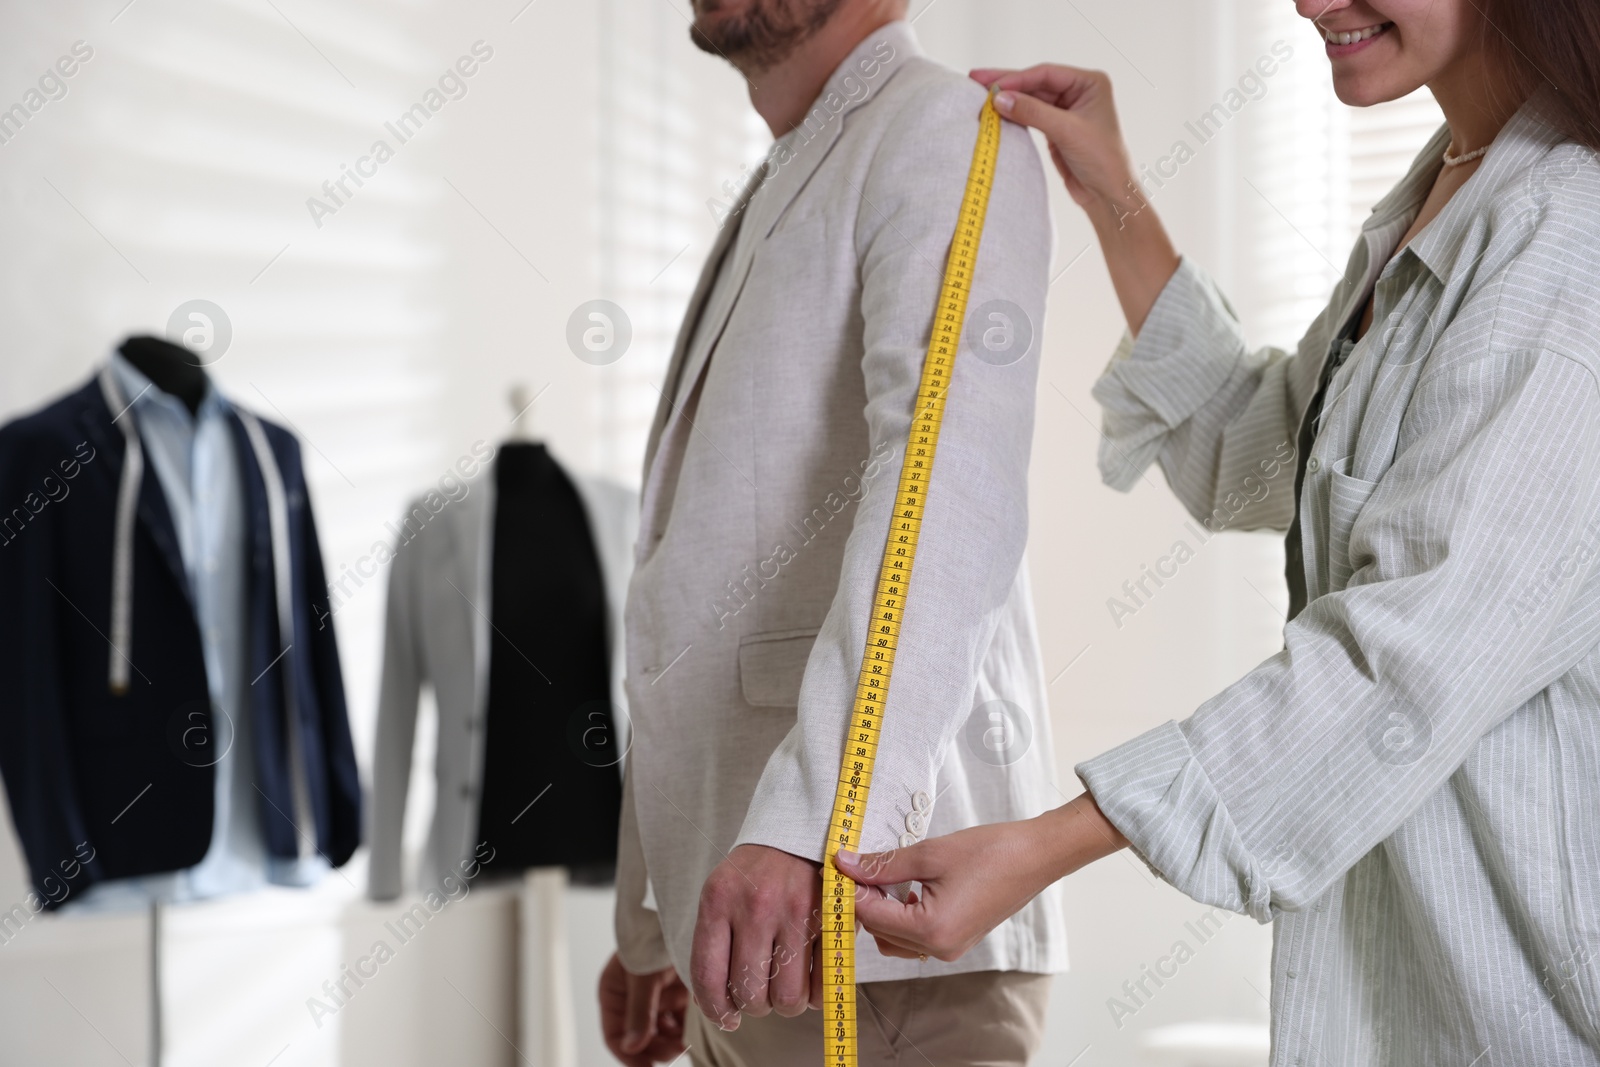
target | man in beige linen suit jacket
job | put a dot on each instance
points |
(768, 486)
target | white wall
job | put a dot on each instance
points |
(178, 165)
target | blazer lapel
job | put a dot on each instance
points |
(784, 172)
(152, 510)
(691, 319)
(471, 558)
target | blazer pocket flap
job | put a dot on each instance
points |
(771, 666)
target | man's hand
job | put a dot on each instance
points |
(641, 1015)
(755, 942)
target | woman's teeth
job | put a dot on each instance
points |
(1352, 36)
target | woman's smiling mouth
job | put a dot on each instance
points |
(1345, 42)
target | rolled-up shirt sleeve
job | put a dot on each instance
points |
(1216, 414)
(1472, 589)
(1186, 353)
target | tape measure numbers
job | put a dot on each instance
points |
(894, 578)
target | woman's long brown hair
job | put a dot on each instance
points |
(1554, 45)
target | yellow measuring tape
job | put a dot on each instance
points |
(894, 579)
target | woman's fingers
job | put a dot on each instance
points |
(901, 929)
(1057, 84)
(896, 926)
(966, 887)
(986, 76)
(890, 948)
(887, 918)
(1074, 109)
(907, 864)
(1027, 110)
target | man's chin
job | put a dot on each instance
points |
(730, 37)
(705, 37)
(763, 33)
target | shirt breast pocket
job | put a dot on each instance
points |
(1347, 497)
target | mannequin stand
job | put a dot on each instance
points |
(547, 1019)
(155, 983)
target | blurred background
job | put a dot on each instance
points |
(583, 160)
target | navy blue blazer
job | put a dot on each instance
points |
(116, 777)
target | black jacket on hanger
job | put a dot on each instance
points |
(549, 678)
(85, 765)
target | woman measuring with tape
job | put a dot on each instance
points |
(1410, 790)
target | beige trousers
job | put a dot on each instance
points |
(986, 1019)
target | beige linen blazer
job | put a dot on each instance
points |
(768, 486)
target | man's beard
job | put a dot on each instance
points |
(766, 33)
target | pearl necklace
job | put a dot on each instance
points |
(1465, 157)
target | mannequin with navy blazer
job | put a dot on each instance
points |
(94, 768)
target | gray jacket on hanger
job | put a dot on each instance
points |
(437, 632)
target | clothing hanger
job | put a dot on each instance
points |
(171, 368)
(522, 400)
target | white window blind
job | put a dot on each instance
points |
(676, 124)
(1384, 140)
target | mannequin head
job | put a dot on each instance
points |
(172, 368)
